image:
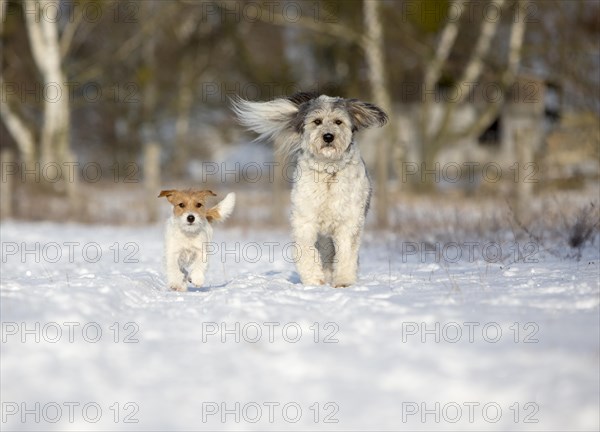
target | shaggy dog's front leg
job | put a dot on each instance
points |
(347, 244)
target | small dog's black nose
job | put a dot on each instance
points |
(191, 218)
(328, 137)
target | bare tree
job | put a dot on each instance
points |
(19, 129)
(435, 136)
(45, 48)
(51, 141)
(374, 56)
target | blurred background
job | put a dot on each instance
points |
(494, 105)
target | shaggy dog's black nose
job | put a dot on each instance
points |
(328, 138)
(191, 218)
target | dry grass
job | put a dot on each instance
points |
(560, 222)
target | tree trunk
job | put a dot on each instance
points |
(7, 184)
(149, 131)
(45, 47)
(376, 66)
(185, 100)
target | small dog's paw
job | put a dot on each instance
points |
(196, 279)
(342, 285)
(178, 287)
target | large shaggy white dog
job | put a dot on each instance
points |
(331, 195)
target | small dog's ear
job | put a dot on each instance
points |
(365, 114)
(207, 193)
(221, 211)
(166, 193)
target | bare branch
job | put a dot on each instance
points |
(432, 74)
(508, 77)
(472, 71)
(18, 129)
(36, 33)
(3, 4)
(488, 30)
(434, 68)
(332, 29)
(68, 33)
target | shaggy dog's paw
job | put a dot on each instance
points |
(341, 282)
(313, 281)
(178, 287)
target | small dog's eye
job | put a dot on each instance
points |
(338, 122)
(182, 205)
(317, 122)
(198, 205)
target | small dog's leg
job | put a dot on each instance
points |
(175, 277)
(197, 269)
(197, 276)
(306, 256)
(347, 245)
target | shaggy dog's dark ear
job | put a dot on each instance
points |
(301, 97)
(365, 115)
(303, 101)
(297, 123)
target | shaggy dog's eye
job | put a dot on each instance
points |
(317, 122)
(198, 205)
(338, 122)
(182, 205)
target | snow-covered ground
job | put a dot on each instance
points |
(91, 339)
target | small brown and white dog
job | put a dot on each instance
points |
(189, 232)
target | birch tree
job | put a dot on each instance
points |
(21, 132)
(435, 136)
(54, 139)
(374, 56)
(50, 140)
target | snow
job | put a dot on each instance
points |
(413, 336)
